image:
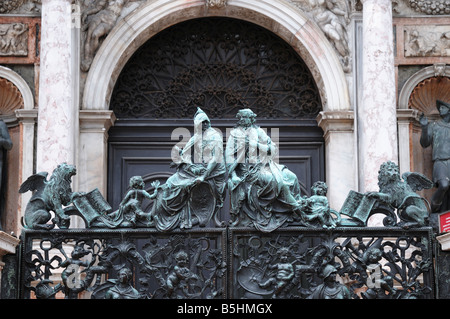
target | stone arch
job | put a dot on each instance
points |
(22, 86)
(286, 21)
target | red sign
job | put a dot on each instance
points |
(444, 222)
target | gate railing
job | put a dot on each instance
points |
(227, 263)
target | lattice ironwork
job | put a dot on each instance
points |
(295, 263)
(220, 65)
(88, 264)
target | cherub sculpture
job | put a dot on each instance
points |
(130, 213)
(48, 196)
(315, 209)
(399, 192)
(284, 274)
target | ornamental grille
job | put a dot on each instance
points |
(219, 64)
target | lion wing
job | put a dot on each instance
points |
(417, 181)
(34, 182)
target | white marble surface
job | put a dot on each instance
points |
(341, 168)
(285, 20)
(56, 126)
(377, 126)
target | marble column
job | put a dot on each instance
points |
(57, 120)
(377, 120)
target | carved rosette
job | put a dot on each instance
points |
(423, 97)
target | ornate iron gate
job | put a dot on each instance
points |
(277, 238)
(293, 262)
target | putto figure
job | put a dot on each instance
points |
(316, 209)
(437, 134)
(263, 192)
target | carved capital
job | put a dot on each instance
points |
(96, 120)
(336, 121)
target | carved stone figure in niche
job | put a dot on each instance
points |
(194, 194)
(263, 192)
(427, 41)
(5, 145)
(20, 6)
(123, 288)
(97, 21)
(330, 289)
(333, 16)
(49, 196)
(130, 213)
(437, 135)
(316, 209)
(13, 39)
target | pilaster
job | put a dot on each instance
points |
(93, 149)
(340, 159)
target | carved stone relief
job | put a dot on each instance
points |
(429, 40)
(20, 7)
(333, 17)
(98, 18)
(13, 39)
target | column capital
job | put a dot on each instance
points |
(336, 121)
(27, 116)
(92, 120)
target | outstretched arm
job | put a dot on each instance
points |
(426, 137)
